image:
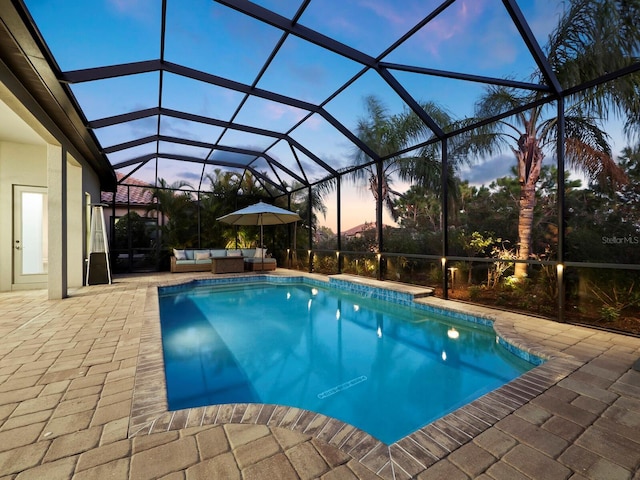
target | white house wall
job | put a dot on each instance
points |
(41, 164)
(20, 164)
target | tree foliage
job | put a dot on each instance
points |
(592, 38)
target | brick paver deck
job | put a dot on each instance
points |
(79, 399)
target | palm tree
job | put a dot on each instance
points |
(389, 134)
(174, 210)
(300, 202)
(591, 39)
(384, 135)
(219, 200)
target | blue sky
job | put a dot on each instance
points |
(471, 36)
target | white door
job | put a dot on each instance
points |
(30, 236)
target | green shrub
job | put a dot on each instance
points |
(474, 292)
(609, 313)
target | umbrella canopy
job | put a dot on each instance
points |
(260, 214)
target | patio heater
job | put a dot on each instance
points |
(98, 270)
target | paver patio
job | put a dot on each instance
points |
(72, 370)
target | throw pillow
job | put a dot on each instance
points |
(179, 254)
(259, 252)
(234, 253)
(202, 256)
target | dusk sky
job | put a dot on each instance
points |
(473, 36)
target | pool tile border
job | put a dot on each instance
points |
(405, 458)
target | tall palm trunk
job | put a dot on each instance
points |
(373, 185)
(525, 222)
(530, 156)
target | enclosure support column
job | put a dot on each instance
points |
(199, 220)
(112, 230)
(339, 225)
(289, 226)
(310, 217)
(158, 242)
(445, 218)
(379, 204)
(129, 238)
(560, 207)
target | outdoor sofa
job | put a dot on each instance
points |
(199, 260)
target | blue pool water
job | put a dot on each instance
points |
(385, 368)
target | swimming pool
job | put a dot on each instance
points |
(384, 367)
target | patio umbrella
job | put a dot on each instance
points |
(260, 214)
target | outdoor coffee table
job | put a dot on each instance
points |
(227, 264)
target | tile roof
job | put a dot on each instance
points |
(359, 229)
(139, 192)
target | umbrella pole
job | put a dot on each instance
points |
(261, 245)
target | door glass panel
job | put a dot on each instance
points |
(35, 247)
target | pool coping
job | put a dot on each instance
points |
(412, 454)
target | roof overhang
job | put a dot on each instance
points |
(25, 69)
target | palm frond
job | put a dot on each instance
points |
(594, 38)
(483, 141)
(498, 100)
(587, 150)
(595, 164)
(493, 138)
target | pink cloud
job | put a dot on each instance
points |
(314, 122)
(455, 22)
(278, 111)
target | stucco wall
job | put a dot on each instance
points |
(31, 152)
(20, 164)
(87, 192)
